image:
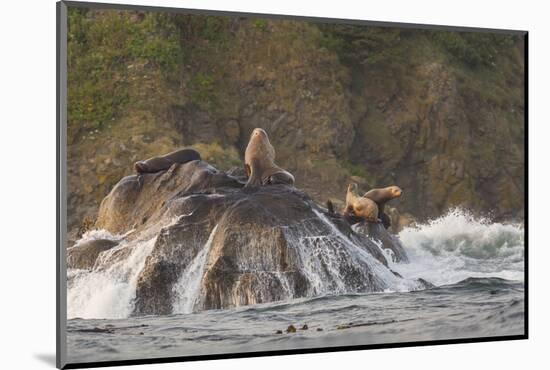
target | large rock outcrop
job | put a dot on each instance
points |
(213, 244)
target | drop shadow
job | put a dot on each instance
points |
(47, 358)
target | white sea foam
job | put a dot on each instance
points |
(99, 234)
(108, 292)
(360, 259)
(458, 245)
(187, 289)
(109, 289)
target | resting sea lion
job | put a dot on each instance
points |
(163, 162)
(380, 197)
(259, 162)
(360, 207)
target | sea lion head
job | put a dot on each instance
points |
(352, 187)
(351, 193)
(260, 141)
(141, 167)
(258, 133)
(395, 191)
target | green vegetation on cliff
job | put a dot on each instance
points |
(439, 113)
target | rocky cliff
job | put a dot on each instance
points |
(438, 113)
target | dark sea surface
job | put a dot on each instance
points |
(475, 307)
(477, 267)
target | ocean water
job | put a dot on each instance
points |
(476, 265)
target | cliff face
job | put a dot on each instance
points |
(444, 146)
(439, 114)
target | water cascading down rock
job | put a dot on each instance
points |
(216, 244)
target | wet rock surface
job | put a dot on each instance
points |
(84, 255)
(215, 244)
(388, 242)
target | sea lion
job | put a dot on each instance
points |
(163, 162)
(359, 207)
(382, 195)
(259, 162)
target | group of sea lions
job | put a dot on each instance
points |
(261, 170)
(370, 206)
(259, 162)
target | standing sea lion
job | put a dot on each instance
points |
(259, 162)
(382, 195)
(359, 207)
(163, 162)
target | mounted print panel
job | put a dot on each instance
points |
(238, 185)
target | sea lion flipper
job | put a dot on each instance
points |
(282, 177)
(330, 207)
(385, 219)
(255, 176)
